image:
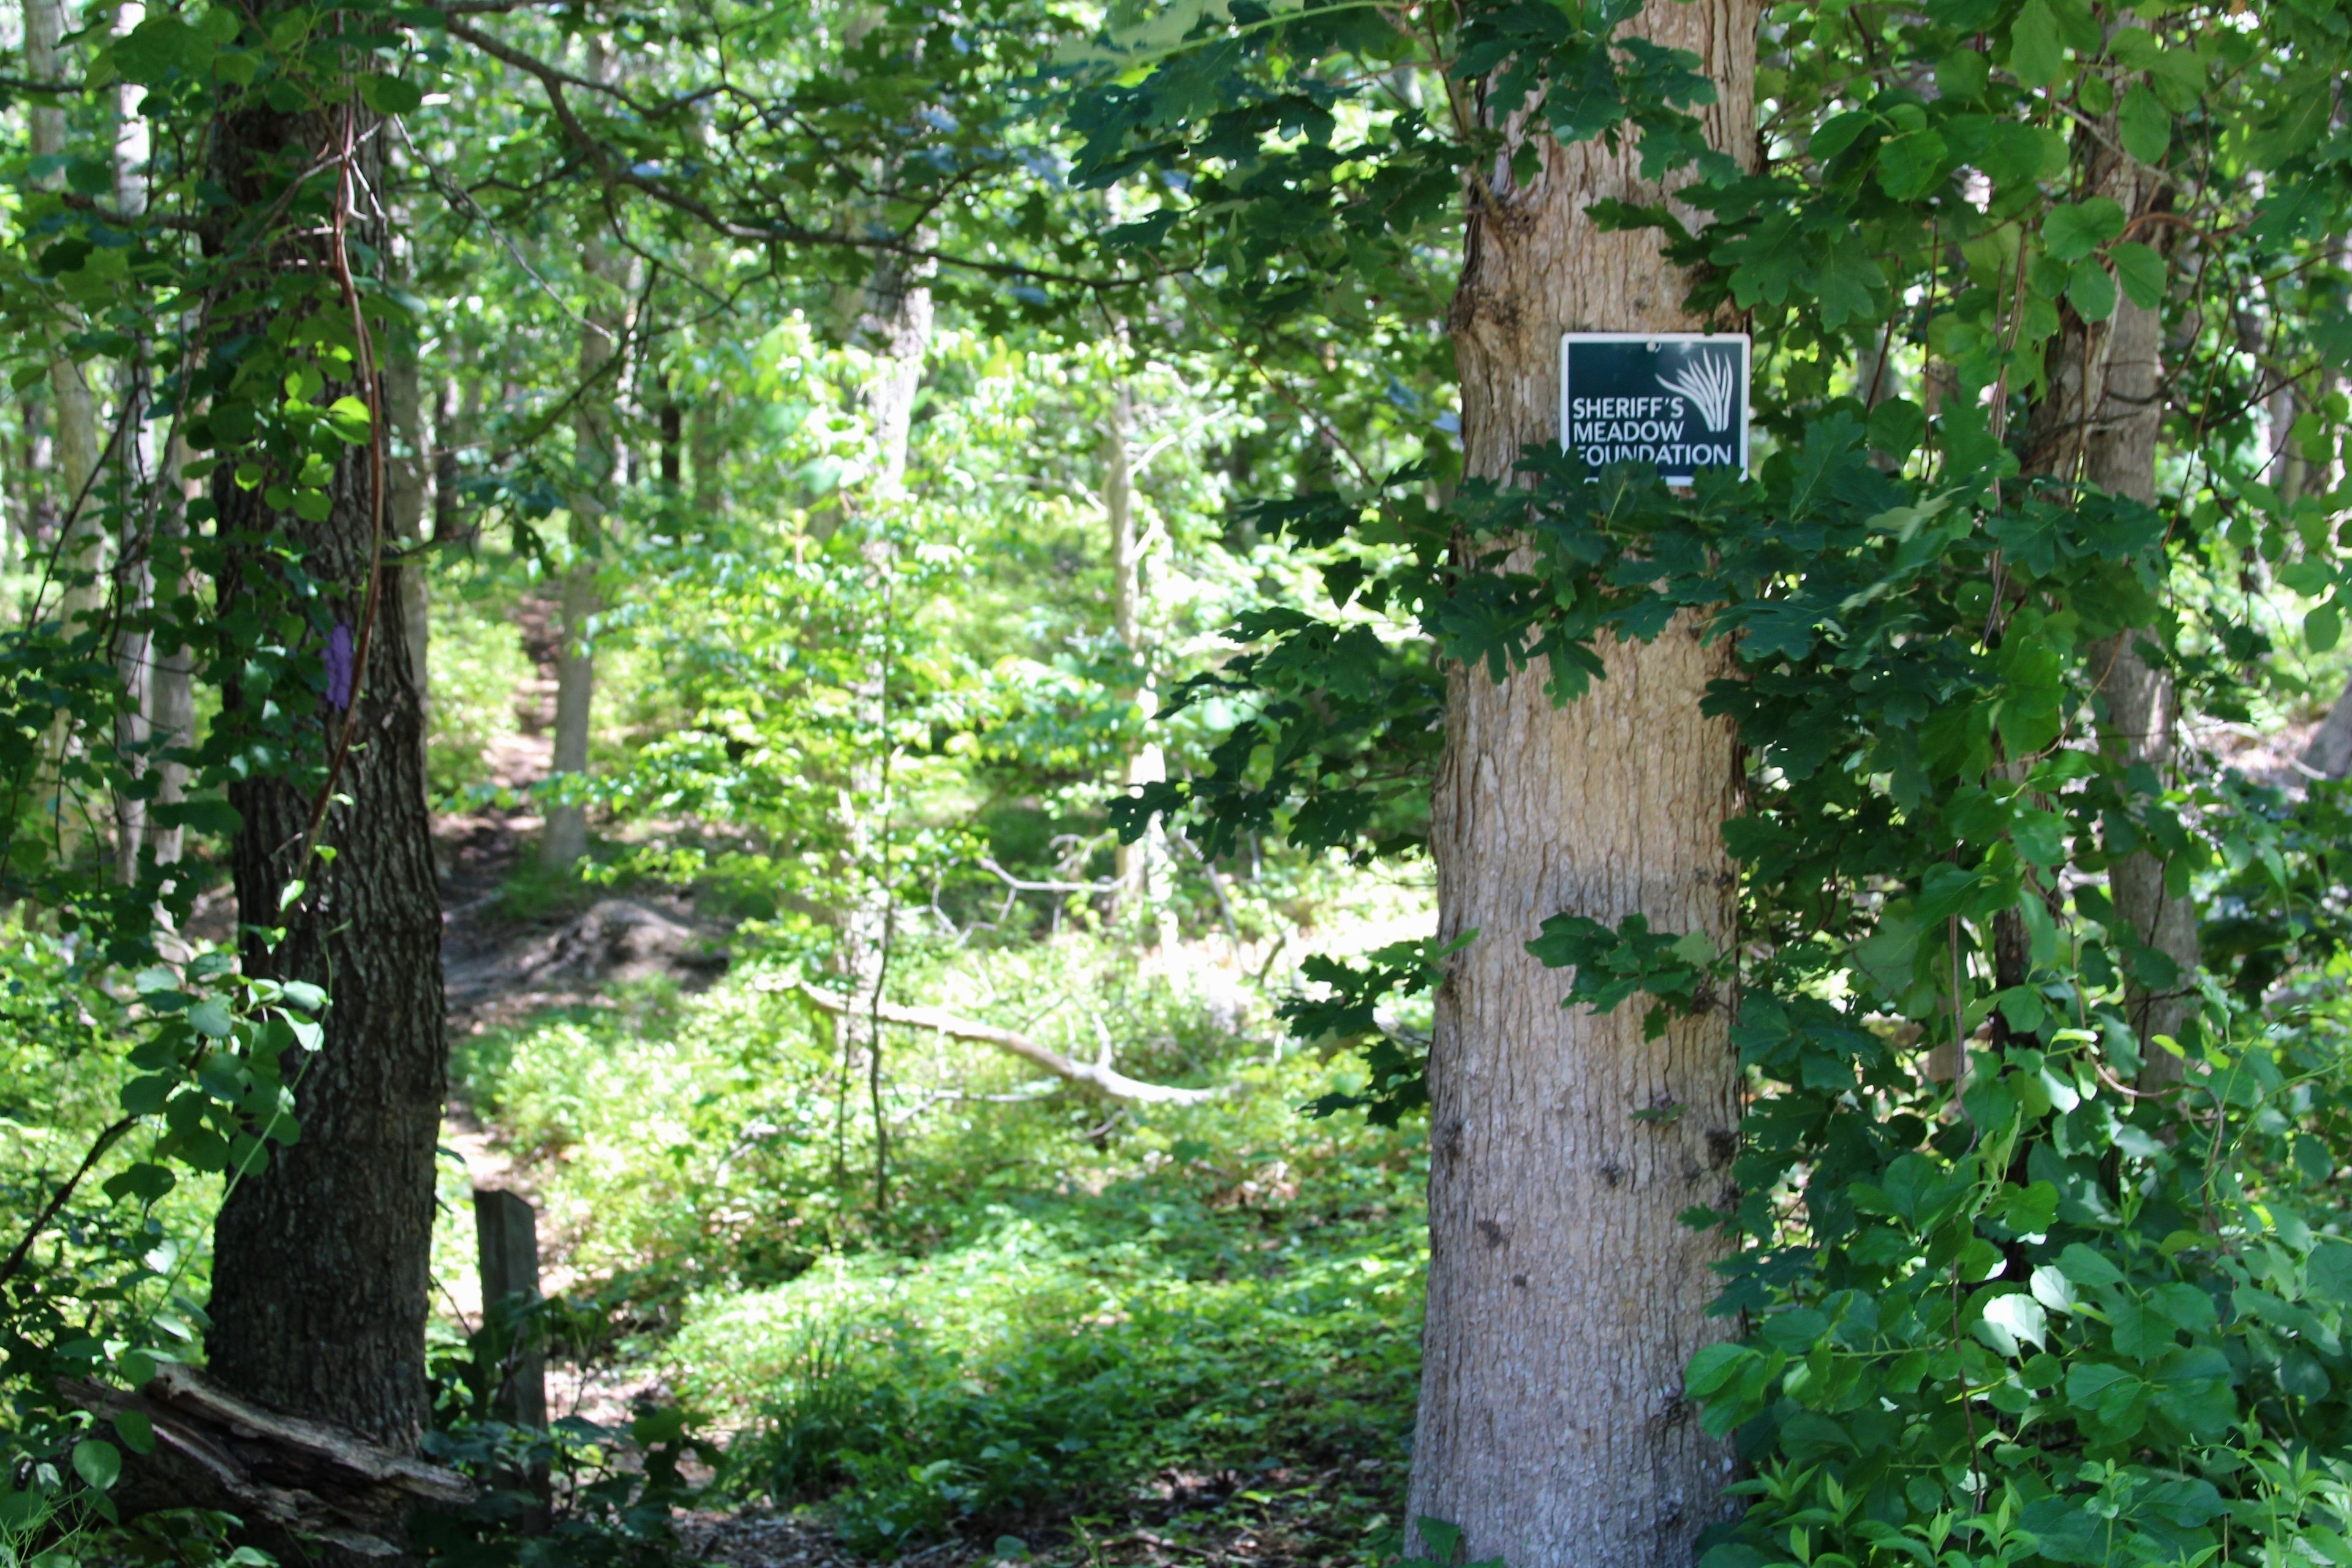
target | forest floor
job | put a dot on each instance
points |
(523, 950)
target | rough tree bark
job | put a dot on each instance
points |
(1564, 1296)
(321, 1258)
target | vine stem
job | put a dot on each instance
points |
(346, 181)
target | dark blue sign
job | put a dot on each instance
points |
(1676, 400)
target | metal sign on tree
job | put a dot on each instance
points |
(1676, 400)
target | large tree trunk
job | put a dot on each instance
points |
(1564, 1295)
(596, 456)
(320, 1257)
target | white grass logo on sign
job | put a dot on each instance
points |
(1676, 401)
(1709, 381)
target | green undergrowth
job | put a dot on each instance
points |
(1072, 1321)
(1078, 1351)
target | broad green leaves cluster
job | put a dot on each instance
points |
(2012, 1295)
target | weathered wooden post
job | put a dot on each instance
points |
(506, 1234)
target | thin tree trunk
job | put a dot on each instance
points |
(408, 479)
(74, 408)
(135, 579)
(2100, 420)
(1142, 865)
(172, 684)
(321, 1257)
(597, 458)
(79, 595)
(2328, 754)
(2151, 894)
(448, 473)
(895, 321)
(704, 455)
(1565, 1296)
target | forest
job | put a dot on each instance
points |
(1335, 784)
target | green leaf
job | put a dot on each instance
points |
(1713, 1368)
(2084, 1267)
(1898, 427)
(2034, 53)
(2090, 289)
(2328, 1273)
(2073, 232)
(1838, 132)
(158, 47)
(2054, 1289)
(2140, 269)
(145, 1181)
(1961, 76)
(98, 1462)
(349, 419)
(1907, 165)
(211, 1016)
(2146, 126)
(137, 1432)
(312, 506)
(390, 95)
(1845, 280)
(2322, 627)
(2013, 1320)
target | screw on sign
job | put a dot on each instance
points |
(1677, 401)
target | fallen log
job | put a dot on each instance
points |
(308, 1479)
(1094, 1078)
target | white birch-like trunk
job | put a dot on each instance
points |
(1141, 867)
(139, 504)
(1565, 1297)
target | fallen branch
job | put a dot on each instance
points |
(313, 1480)
(1100, 1079)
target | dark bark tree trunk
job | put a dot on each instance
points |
(1565, 1297)
(320, 1276)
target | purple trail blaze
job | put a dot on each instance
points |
(339, 667)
